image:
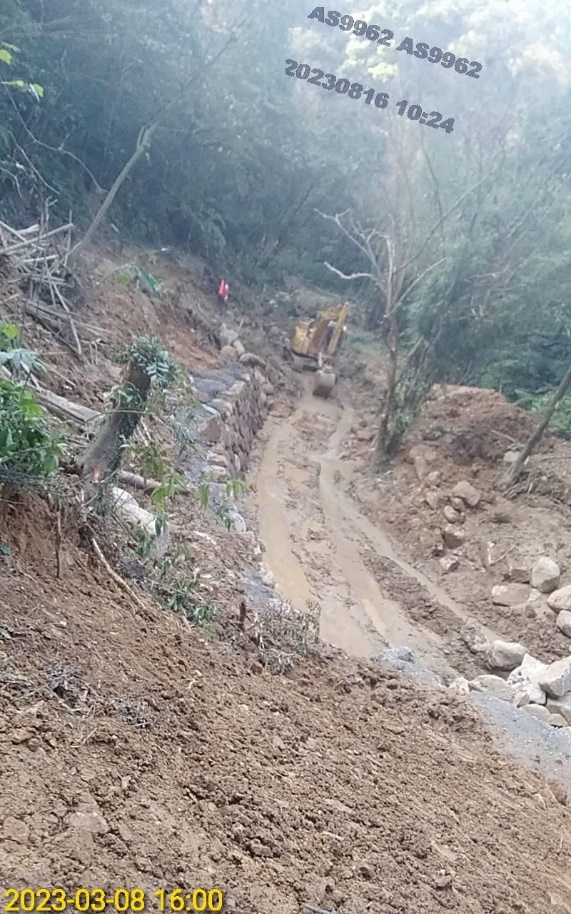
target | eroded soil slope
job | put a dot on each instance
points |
(465, 433)
(135, 752)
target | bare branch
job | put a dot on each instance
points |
(352, 237)
(420, 278)
(351, 276)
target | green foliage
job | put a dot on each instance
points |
(234, 489)
(29, 450)
(7, 52)
(176, 583)
(149, 354)
(147, 280)
(245, 158)
(172, 484)
(151, 460)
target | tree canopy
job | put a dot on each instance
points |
(250, 167)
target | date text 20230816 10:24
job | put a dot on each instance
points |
(422, 50)
(343, 86)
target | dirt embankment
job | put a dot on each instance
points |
(137, 753)
(464, 434)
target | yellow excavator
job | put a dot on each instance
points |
(314, 343)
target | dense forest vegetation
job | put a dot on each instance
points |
(456, 235)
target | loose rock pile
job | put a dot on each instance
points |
(540, 689)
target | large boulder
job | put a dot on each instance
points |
(474, 639)
(228, 353)
(505, 655)
(127, 508)
(226, 336)
(222, 407)
(560, 599)
(524, 681)
(449, 563)
(236, 521)
(469, 495)
(433, 498)
(494, 686)
(545, 575)
(561, 706)
(249, 358)
(518, 571)
(510, 594)
(212, 429)
(556, 679)
(323, 383)
(452, 516)
(540, 712)
(461, 686)
(453, 536)
(564, 622)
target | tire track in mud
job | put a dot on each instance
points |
(317, 542)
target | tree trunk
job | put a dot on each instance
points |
(383, 435)
(103, 456)
(514, 471)
(143, 143)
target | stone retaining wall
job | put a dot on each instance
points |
(240, 413)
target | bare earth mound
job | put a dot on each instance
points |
(136, 753)
(464, 433)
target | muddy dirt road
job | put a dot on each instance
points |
(319, 548)
(315, 538)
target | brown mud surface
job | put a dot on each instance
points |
(321, 547)
(137, 752)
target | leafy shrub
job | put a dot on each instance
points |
(28, 448)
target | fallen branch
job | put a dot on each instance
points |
(311, 907)
(58, 544)
(138, 482)
(32, 308)
(44, 318)
(120, 582)
(552, 457)
(64, 409)
(55, 293)
(33, 242)
(511, 475)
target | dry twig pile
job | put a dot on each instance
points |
(34, 260)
